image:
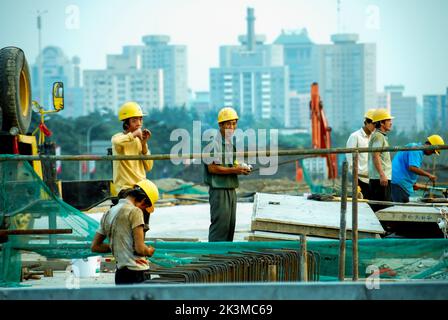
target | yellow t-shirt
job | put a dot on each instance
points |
(127, 173)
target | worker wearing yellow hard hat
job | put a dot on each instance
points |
(406, 167)
(380, 164)
(221, 175)
(360, 139)
(124, 225)
(132, 141)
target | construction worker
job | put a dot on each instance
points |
(380, 165)
(132, 141)
(360, 139)
(221, 175)
(406, 168)
(123, 225)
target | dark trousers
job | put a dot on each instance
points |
(399, 194)
(379, 193)
(222, 214)
(365, 188)
(127, 276)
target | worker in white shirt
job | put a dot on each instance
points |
(360, 139)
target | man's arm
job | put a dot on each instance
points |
(98, 244)
(139, 242)
(422, 172)
(379, 168)
(221, 170)
(147, 164)
(351, 143)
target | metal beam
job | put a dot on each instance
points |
(418, 290)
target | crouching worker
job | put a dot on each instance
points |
(123, 226)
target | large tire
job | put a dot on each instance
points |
(15, 90)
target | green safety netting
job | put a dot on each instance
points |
(27, 203)
(390, 258)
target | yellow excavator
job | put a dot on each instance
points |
(16, 106)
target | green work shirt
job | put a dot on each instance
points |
(378, 140)
(222, 181)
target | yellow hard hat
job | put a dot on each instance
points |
(435, 140)
(227, 114)
(130, 109)
(369, 114)
(151, 191)
(381, 114)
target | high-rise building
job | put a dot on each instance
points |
(347, 80)
(300, 114)
(403, 108)
(435, 111)
(172, 59)
(252, 78)
(124, 80)
(301, 55)
(201, 102)
(56, 66)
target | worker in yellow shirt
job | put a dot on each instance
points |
(132, 141)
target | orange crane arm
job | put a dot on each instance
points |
(321, 131)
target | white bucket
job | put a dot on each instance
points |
(86, 267)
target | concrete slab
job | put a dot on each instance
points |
(298, 211)
(409, 214)
(190, 222)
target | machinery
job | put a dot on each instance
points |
(321, 132)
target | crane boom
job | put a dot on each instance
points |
(321, 131)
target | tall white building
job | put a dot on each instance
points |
(124, 80)
(347, 80)
(172, 59)
(252, 78)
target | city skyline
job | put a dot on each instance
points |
(409, 37)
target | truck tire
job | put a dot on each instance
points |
(15, 90)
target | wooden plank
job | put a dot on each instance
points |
(297, 210)
(319, 231)
(409, 214)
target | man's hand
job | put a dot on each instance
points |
(432, 177)
(150, 251)
(146, 135)
(243, 170)
(383, 180)
(138, 133)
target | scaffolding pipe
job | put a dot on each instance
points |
(355, 260)
(267, 153)
(342, 225)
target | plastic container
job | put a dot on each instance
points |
(86, 267)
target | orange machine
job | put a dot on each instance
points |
(321, 132)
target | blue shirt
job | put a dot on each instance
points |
(401, 174)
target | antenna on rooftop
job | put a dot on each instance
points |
(339, 28)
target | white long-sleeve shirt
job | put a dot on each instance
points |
(359, 139)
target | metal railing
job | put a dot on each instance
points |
(267, 153)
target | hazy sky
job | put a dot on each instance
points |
(411, 35)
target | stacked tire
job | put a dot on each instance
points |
(15, 90)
